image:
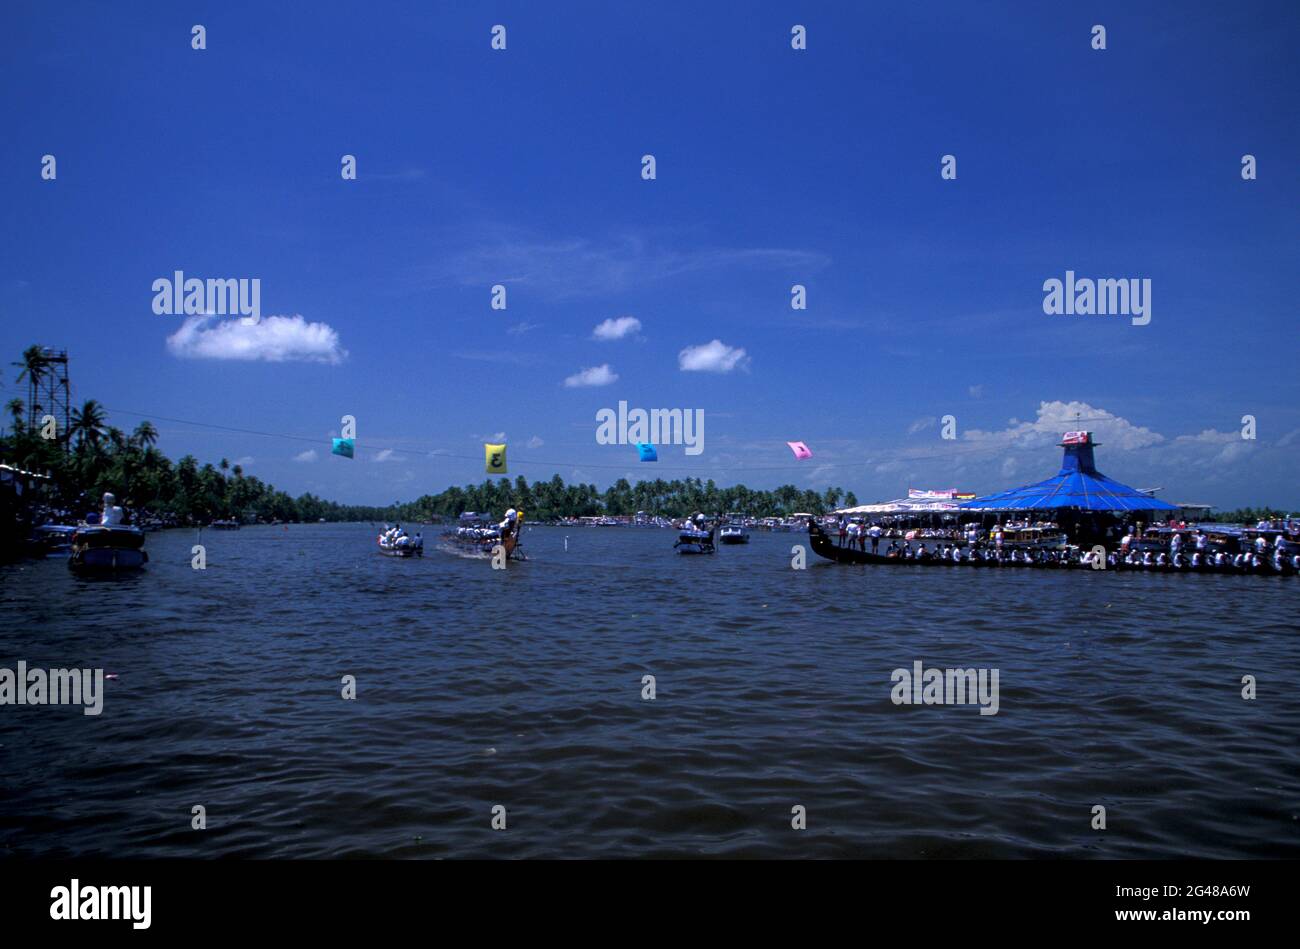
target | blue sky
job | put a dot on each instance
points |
(774, 167)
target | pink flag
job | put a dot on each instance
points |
(801, 451)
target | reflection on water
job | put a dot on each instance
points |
(523, 688)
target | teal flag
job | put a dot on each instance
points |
(344, 447)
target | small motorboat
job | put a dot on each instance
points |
(691, 540)
(100, 548)
(733, 534)
(52, 540)
(226, 524)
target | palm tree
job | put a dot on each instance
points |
(145, 435)
(33, 366)
(15, 409)
(88, 424)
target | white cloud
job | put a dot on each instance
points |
(1227, 446)
(387, 454)
(308, 455)
(273, 339)
(600, 375)
(976, 392)
(1055, 418)
(246, 460)
(616, 328)
(715, 356)
(519, 329)
(921, 424)
(535, 442)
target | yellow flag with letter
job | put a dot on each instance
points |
(496, 458)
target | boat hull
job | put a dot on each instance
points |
(106, 559)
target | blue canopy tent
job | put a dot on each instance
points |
(1078, 485)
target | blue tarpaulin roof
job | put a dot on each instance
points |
(1077, 485)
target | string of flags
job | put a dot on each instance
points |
(494, 455)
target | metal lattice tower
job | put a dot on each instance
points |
(49, 393)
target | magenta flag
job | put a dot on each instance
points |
(801, 451)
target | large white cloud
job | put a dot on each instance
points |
(272, 339)
(600, 375)
(1054, 418)
(714, 356)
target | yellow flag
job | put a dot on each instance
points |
(496, 458)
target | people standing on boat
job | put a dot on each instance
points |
(419, 541)
(508, 523)
(853, 531)
(844, 529)
(874, 532)
(1175, 544)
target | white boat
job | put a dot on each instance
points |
(734, 534)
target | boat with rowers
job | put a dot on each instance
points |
(395, 542)
(476, 533)
(1049, 548)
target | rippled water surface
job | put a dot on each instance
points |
(524, 688)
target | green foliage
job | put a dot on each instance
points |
(1246, 515)
(553, 499)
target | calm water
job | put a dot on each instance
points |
(523, 688)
